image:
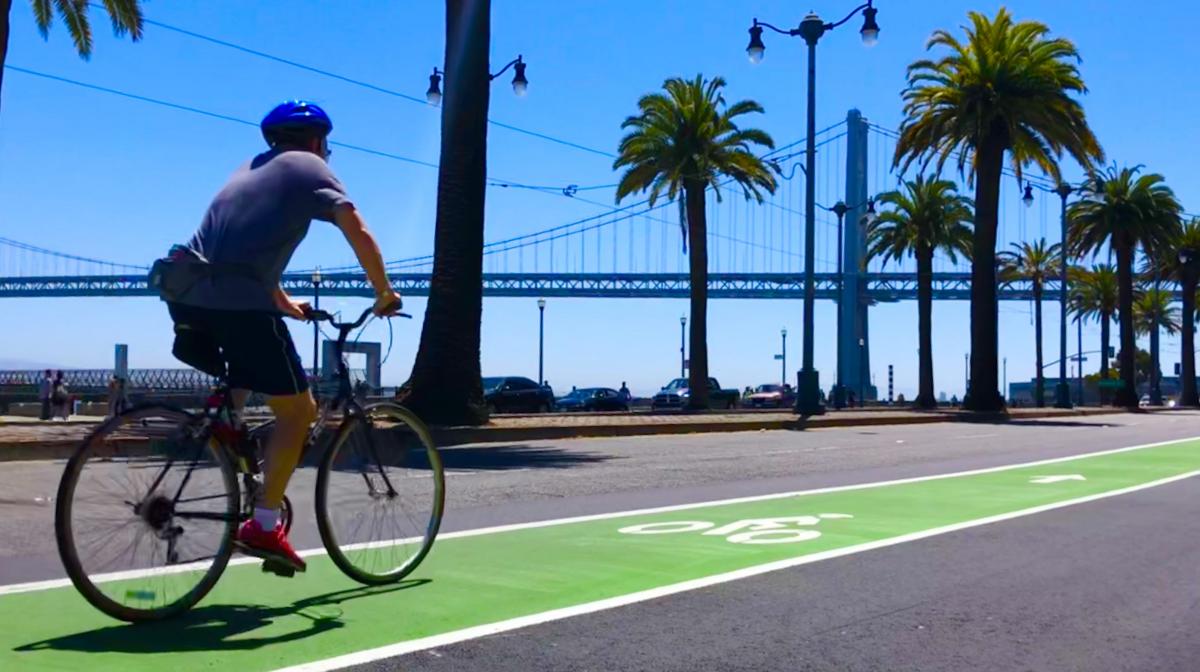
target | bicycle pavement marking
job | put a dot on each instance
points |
(502, 578)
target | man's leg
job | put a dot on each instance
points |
(294, 414)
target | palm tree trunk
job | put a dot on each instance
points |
(1040, 387)
(925, 398)
(445, 386)
(5, 10)
(1105, 341)
(1127, 395)
(1187, 367)
(983, 393)
(697, 232)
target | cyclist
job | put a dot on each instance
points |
(229, 321)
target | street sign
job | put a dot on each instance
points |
(779, 358)
(1110, 384)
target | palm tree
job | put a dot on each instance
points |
(1036, 263)
(928, 215)
(445, 386)
(1180, 261)
(126, 18)
(1009, 88)
(1095, 296)
(1153, 310)
(683, 141)
(1122, 210)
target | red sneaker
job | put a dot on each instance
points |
(252, 539)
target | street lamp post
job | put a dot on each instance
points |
(1156, 398)
(541, 304)
(682, 343)
(862, 378)
(316, 281)
(1079, 349)
(808, 400)
(1062, 391)
(520, 85)
(783, 356)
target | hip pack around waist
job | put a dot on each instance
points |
(174, 275)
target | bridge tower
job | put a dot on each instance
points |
(853, 360)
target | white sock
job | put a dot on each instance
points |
(267, 518)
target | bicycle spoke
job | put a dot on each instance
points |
(377, 504)
(148, 534)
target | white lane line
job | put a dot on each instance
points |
(394, 650)
(513, 527)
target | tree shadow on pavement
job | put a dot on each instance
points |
(1015, 422)
(218, 627)
(517, 456)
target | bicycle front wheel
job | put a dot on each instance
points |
(380, 494)
(145, 514)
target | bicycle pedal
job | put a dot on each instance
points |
(278, 569)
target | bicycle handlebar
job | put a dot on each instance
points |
(324, 316)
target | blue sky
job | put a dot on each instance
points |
(93, 174)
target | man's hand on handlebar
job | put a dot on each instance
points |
(291, 307)
(387, 303)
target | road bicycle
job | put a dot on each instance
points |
(149, 504)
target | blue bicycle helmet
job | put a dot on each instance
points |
(295, 116)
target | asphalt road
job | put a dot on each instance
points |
(1108, 585)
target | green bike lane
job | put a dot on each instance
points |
(488, 581)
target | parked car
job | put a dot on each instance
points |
(592, 399)
(676, 394)
(772, 396)
(514, 394)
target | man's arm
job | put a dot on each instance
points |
(366, 249)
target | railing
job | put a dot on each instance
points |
(139, 379)
(876, 286)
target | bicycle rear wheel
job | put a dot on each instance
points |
(380, 494)
(146, 513)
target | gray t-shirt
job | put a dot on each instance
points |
(256, 221)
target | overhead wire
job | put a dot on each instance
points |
(356, 82)
(498, 182)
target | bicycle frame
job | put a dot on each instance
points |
(214, 426)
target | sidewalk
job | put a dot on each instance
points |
(36, 440)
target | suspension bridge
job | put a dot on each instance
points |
(755, 249)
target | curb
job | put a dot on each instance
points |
(453, 436)
(456, 436)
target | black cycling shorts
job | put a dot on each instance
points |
(251, 349)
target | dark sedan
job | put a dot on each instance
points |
(514, 394)
(593, 399)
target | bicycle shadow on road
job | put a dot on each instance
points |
(218, 627)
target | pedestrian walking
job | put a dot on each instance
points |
(45, 389)
(59, 398)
